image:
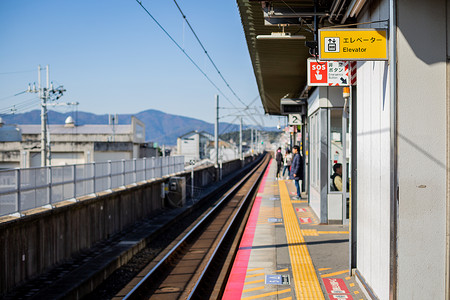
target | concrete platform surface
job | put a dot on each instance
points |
(286, 254)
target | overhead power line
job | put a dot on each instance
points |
(182, 50)
(207, 54)
(246, 106)
(195, 64)
(16, 72)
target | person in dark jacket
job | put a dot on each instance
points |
(297, 169)
(279, 159)
(336, 178)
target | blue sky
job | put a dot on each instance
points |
(113, 58)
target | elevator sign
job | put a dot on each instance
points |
(353, 44)
(328, 73)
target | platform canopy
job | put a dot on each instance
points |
(280, 63)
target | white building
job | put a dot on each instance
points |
(194, 145)
(20, 145)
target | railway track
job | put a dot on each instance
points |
(196, 264)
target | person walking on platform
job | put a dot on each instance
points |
(287, 163)
(297, 169)
(279, 159)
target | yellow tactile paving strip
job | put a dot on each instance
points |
(306, 283)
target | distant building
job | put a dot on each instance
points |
(193, 145)
(198, 145)
(20, 145)
(227, 150)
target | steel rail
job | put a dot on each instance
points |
(140, 288)
(195, 291)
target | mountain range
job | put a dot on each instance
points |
(160, 127)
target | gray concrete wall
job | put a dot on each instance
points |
(43, 238)
(419, 264)
(422, 135)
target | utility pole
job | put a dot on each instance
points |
(241, 156)
(257, 142)
(216, 132)
(44, 95)
(251, 140)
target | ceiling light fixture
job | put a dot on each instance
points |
(280, 36)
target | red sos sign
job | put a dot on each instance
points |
(317, 73)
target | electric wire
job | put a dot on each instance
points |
(193, 62)
(215, 66)
(16, 72)
(207, 54)
(184, 52)
(21, 106)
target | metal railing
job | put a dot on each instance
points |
(23, 189)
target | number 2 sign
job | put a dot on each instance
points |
(295, 119)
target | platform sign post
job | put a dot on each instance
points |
(353, 44)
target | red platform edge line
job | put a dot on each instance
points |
(236, 281)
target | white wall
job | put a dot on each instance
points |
(422, 136)
(373, 165)
(421, 155)
(67, 158)
(100, 156)
(373, 184)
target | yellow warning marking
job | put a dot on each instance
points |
(352, 284)
(334, 274)
(299, 201)
(256, 269)
(253, 289)
(267, 294)
(282, 270)
(307, 284)
(310, 232)
(348, 278)
(254, 275)
(356, 292)
(254, 281)
(324, 269)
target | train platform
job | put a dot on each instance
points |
(286, 254)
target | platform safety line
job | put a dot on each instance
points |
(253, 289)
(282, 270)
(254, 281)
(235, 284)
(334, 274)
(325, 269)
(306, 282)
(255, 269)
(263, 181)
(267, 294)
(254, 275)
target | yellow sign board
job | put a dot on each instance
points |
(353, 44)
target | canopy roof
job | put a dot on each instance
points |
(280, 64)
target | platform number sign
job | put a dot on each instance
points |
(295, 119)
